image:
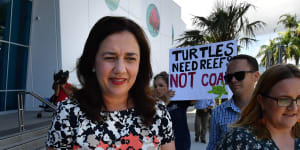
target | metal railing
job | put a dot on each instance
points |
(20, 96)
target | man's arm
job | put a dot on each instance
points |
(211, 103)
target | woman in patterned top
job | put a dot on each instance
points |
(113, 109)
(270, 120)
(177, 110)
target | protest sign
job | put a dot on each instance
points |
(197, 72)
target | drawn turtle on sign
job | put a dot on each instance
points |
(218, 90)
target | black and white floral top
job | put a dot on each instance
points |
(243, 139)
(121, 129)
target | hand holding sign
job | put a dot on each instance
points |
(171, 93)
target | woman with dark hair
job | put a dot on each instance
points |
(161, 88)
(114, 108)
(270, 120)
(177, 110)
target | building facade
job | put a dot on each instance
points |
(40, 37)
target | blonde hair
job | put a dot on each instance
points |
(252, 115)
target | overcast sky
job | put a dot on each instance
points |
(268, 11)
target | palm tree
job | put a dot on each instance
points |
(290, 38)
(294, 49)
(273, 49)
(284, 39)
(191, 37)
(226, 22)
(298, 30)
(288, 21)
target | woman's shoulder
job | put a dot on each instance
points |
(237, 136)
(160, 106)
(161, 111)
(240, 132)
(69, 106)
(68, 103)
(160, 103)
(243, 138)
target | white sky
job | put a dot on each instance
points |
(268, 11)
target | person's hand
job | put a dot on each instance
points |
(170, 93)
(205, 110)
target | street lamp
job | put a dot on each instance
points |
(268, 59)
(281, 49)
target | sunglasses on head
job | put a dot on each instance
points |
(240, 75)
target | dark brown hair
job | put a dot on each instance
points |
(252, 114)
(162, 75)
(251, 61)
(90, 97)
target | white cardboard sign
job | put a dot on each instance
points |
(197, 72)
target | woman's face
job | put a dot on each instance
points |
(161, 87)
(117, 63)
(282, 117)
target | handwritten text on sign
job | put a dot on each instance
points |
(195, 70)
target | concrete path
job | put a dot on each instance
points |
(10, 124)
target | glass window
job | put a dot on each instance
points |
(21, 18)
(17, 72)
(18, 56)
(5, 8)
(3, 73)
(13, 56)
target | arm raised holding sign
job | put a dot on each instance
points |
(177, 110)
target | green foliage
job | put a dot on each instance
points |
(273, 48)
(288, 21)
(290, 39)
(227, 21)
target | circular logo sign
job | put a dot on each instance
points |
(153, 20)
(112, 4)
